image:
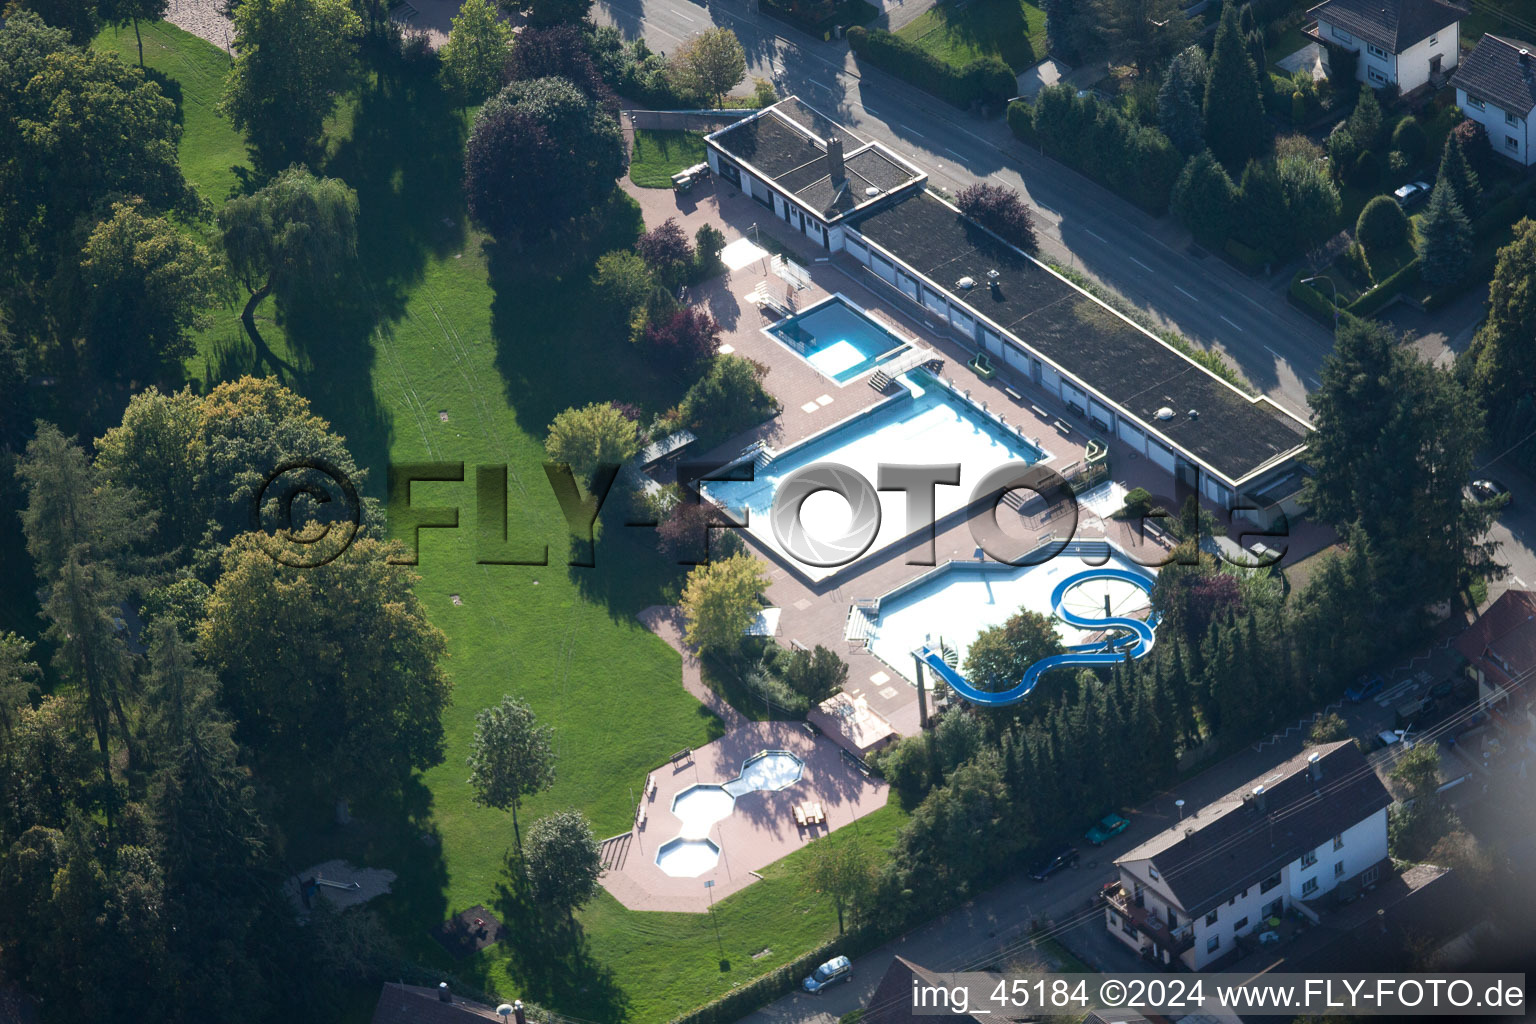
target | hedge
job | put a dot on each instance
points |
(1246, 257)
(780, 981)
(844, 12)
(1137, 162)
(1385, 291)
(1310, 301)
(986, 80)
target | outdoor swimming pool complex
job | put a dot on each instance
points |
(698, 807)
(925, 425)
(838, 339)
(958, 600)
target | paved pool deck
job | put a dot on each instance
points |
(759, 830)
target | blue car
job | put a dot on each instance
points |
(836, 970)
(1362, 689)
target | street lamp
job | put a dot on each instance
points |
(1331, 284)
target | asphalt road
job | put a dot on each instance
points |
(1148, 260)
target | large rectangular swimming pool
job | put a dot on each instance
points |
(838, 339)
(927, 425)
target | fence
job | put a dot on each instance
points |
(684, 120)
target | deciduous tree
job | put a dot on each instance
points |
(999, 656)
(839, 868)
(711, 63)
(476, 52)
(594, 435)
(563, 861)
(1001, 210)
(512, 757)
(293, 58)
(541, 153)
(1381, 227)
(720, 600)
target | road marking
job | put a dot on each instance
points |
(680, 14)
(815, 84)
(1520, 581)
(960, 155)
(1232, 324)
(1095, 234)
(1314, 382)
(1133, 259)
(1184, 293)
(1255, 301)
(914, 131)
(1271, 351)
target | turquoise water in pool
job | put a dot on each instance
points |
(838, 340)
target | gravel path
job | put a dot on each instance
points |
(204, 19)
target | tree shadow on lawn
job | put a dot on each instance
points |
(392, 830)
(550, 960)
(987, 26)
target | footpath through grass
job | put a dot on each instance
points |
(958, 34)
(445, 348)
(658, 154)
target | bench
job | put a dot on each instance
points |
(1013, 394)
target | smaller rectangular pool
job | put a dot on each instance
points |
(837, 338)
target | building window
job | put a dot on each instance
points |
(1370, 874)
(1513, 120)
(1376, 76)
(1338, 841)
(1270, 882)
(1173, 919)
(1434, 39)
(1243, 895)
(1232, 902)
(1308, 887)
(1340, 34)
(1338, 870)
(1242, 923)
(1152, 871)
(1211, 917)
(1475, 103)
(1309, 858)
(1376, 51)
(1213, 943)
(1511, 143)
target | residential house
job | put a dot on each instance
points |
(1500, 648)
(1496, 86)
(894, 999)
(1407, 43)
(1223, 872)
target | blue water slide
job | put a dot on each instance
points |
(1101, 652)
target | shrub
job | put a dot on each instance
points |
(666, 251)
(1135, 161)
(1342, 151)
(1409, 138)
(987, 80)
(1310, 300)
(728, 399)
(1381, 227)
(1385, 291)
(1000, 210)
(1298, 108)
(1475, 145)
(1366, 171)
(1021, 120)
(1138, 503)
(708, 242)
(684, 339)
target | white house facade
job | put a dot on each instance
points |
(1496, 87)
(1194, 892)
(1407, 43)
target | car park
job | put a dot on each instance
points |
(834, 972)
(1363, 688)
(1045, 868)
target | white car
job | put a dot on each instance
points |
(1411, 194)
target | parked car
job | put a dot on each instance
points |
(1063, 857)
(1411, 194)
(1484, 491)
(834, 971)
(1362, 688)
(1107, 828)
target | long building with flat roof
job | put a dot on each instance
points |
(1239, 450)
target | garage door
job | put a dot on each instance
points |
(856, 248)
(1160, 455)
(1132, 435)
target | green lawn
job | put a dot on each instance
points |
(439, 320)
(1502, 17)
(1010, 29)
(657, 155)
(1289, 42)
